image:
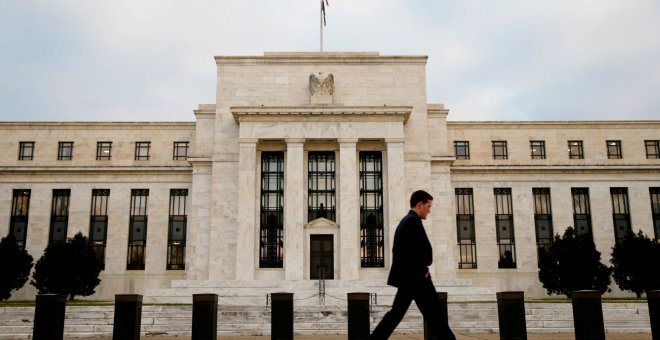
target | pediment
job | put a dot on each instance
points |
(322, 223)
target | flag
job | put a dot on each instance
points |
(323, 4)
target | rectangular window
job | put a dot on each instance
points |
(142, 150)
(271, 245)
(103, 151)
(25, 151)
(321, 185)
(506, 241)
(652, 149)
(137, 229)
(581, 211)
(59, 215)
(537, 149)
(620, 212)
(655, 210)
(65, 151)
(98, 223)
(614, 149)
(20, 208)
(372, 248)
(500, 150)
(180, 151)
(462, 149)
(542, 220)
(176, 236)
(575, 149)
(467, 244)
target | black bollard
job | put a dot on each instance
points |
(205, 317)
(358, 316)
(49, 317)
(428, 334)
(588, 315)
(511, 315)
(128, 317)
(653, 299)
(281, 316)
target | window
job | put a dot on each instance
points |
(59, 215)
(25, 151)
(542, 220)
(655, 210)
(620, 212)
(142, 151)
(176, 235)
(103, 151)
(504, 223)
(372, 242)
(581, 211)
(65, 151)
(575, 150)
(537, 149)
(137, 229)
(500, 150)
(614, 149)
(271, 253)
(462, 149)
(467, 245)
(180, 151)
(321, 185)
(20, 208)
(652, 149)
(98, 223)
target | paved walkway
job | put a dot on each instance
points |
(465, 336)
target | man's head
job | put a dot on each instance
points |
(420, 203)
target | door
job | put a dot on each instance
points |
(321, 256)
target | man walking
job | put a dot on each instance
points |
(411, 256)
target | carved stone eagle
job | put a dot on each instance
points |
(325, 87)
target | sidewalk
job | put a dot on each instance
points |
(464, 336)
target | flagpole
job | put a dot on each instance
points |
(321, 24)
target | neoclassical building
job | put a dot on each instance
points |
(301, 170)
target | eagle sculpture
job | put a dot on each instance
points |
(325, 87)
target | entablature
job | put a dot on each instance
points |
(320, 113)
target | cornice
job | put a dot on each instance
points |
(320, 113)
(564, 169)
(97, 125)
(319, 58)
(41, 170)
(610, 124)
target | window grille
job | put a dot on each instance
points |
(652, 149)
(655, 210)
(620, 212)
(20, 208)
(537, 149)
(180, 152)
(25, 151)
(462, 149)
(372, 242)
(59, 216)
(65, 151)
(614, 149)
(581, 211)
(142, 150)
(137, 230)
(271, 254)
(103, 151)
(542, 220)
(504, 222)
(98, 223)
(575, 149)
(465, 232)
(176, 236)
(321, 185)
(500, 150)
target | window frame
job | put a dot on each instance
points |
(100, 148)
(537, 149)
(500, 145)
(178, 218)
(542, 218)
(504, 213)
(26, 151)
(136, 258)
(464, 146)
(580, 149)
(142, 151)
(317, 160)
(178, 146)
(271, 221)
(20, 214)
(372, 231)
(98, 216)
(467, 246)
(59, 215)
(582, 210)
(655, 146)
(61, 148)
(620, 212)
(614, 150)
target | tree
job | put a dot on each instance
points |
(573, 263)
(630, 260)
(15, 266)
(67, 268)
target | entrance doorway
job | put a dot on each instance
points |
(321, 256)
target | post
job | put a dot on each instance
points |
(281, 316)
(128, 317)
(49, 317)
(428, 334)
(205, 317)
(653, 299)
(358, 316)
(511, 315)
(588, 315)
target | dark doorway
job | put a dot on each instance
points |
(321, 255)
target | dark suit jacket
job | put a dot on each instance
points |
(411, 253)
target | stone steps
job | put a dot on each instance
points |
(94, 321)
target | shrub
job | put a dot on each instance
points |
(573, 263)
(631, 263)
(15, 266)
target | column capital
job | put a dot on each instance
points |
(347, 140)
(294, 140)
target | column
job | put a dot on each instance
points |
(348, 203)
(397, 199)
(248, 200)
(197, 247)
(293, 210)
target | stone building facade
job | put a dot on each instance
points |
(302, 169)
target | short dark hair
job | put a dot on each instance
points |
(419, 196)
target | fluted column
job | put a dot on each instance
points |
(349, 230)
(293, 210)
(247, 203)
(397, 200)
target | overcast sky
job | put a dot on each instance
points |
(152, 60)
